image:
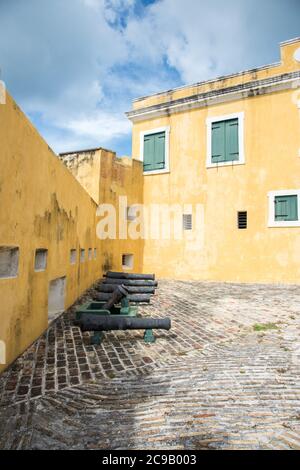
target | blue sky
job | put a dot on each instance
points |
(74, 66)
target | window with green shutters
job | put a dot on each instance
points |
(286, 208)
(154, 151)
(225, 141)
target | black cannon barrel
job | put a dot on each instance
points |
(130, 289)
(137, 298)
(130, 282)
(120, 275)
(118, 293)
(111, 322)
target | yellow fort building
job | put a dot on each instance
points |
(225, 151)
(232, 145)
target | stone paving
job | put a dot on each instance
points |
(220, 379)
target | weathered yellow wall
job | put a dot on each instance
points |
(121, 177)
(109, 177)
(272, 142)
(85, 166)
(42, 206)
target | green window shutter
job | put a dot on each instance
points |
(232, 139)
(159, 153)
(218, 142)
(286, 208)
(148, 152)
(225, 141)
(154, 151)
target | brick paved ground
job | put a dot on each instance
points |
(211, 382)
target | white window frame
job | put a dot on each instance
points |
(157, 130)
(209, 122)
(282, 223)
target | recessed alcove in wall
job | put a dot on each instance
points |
(56, 297)
(82, 255)
(127, 261)
(73, 256)
(90, 254)
(9, 261)
(40, 260)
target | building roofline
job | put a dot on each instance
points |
(85, 151)
(290, 41)
(212, 80)
(221, 77)
(231, 93)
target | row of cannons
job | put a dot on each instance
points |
(112, 309)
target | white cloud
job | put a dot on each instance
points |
(76, 65)
(100, 125)
(206, 39)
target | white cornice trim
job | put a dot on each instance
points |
(202, 100)
(208, 82)
(289, 41)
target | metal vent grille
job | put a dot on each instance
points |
(242, 220)
(187, 221)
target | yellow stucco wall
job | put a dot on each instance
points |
(42, 206)
(85, 167)
(101, 173)
(272, 143)
(121, 177)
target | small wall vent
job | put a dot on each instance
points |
(242, 220)
(187, 222)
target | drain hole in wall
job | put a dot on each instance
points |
(40, 261)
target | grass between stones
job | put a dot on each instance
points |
(265, 326)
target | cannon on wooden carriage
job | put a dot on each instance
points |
(116, 314)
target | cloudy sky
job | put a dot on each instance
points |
(74, 66)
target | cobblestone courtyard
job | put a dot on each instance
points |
(225, 377)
